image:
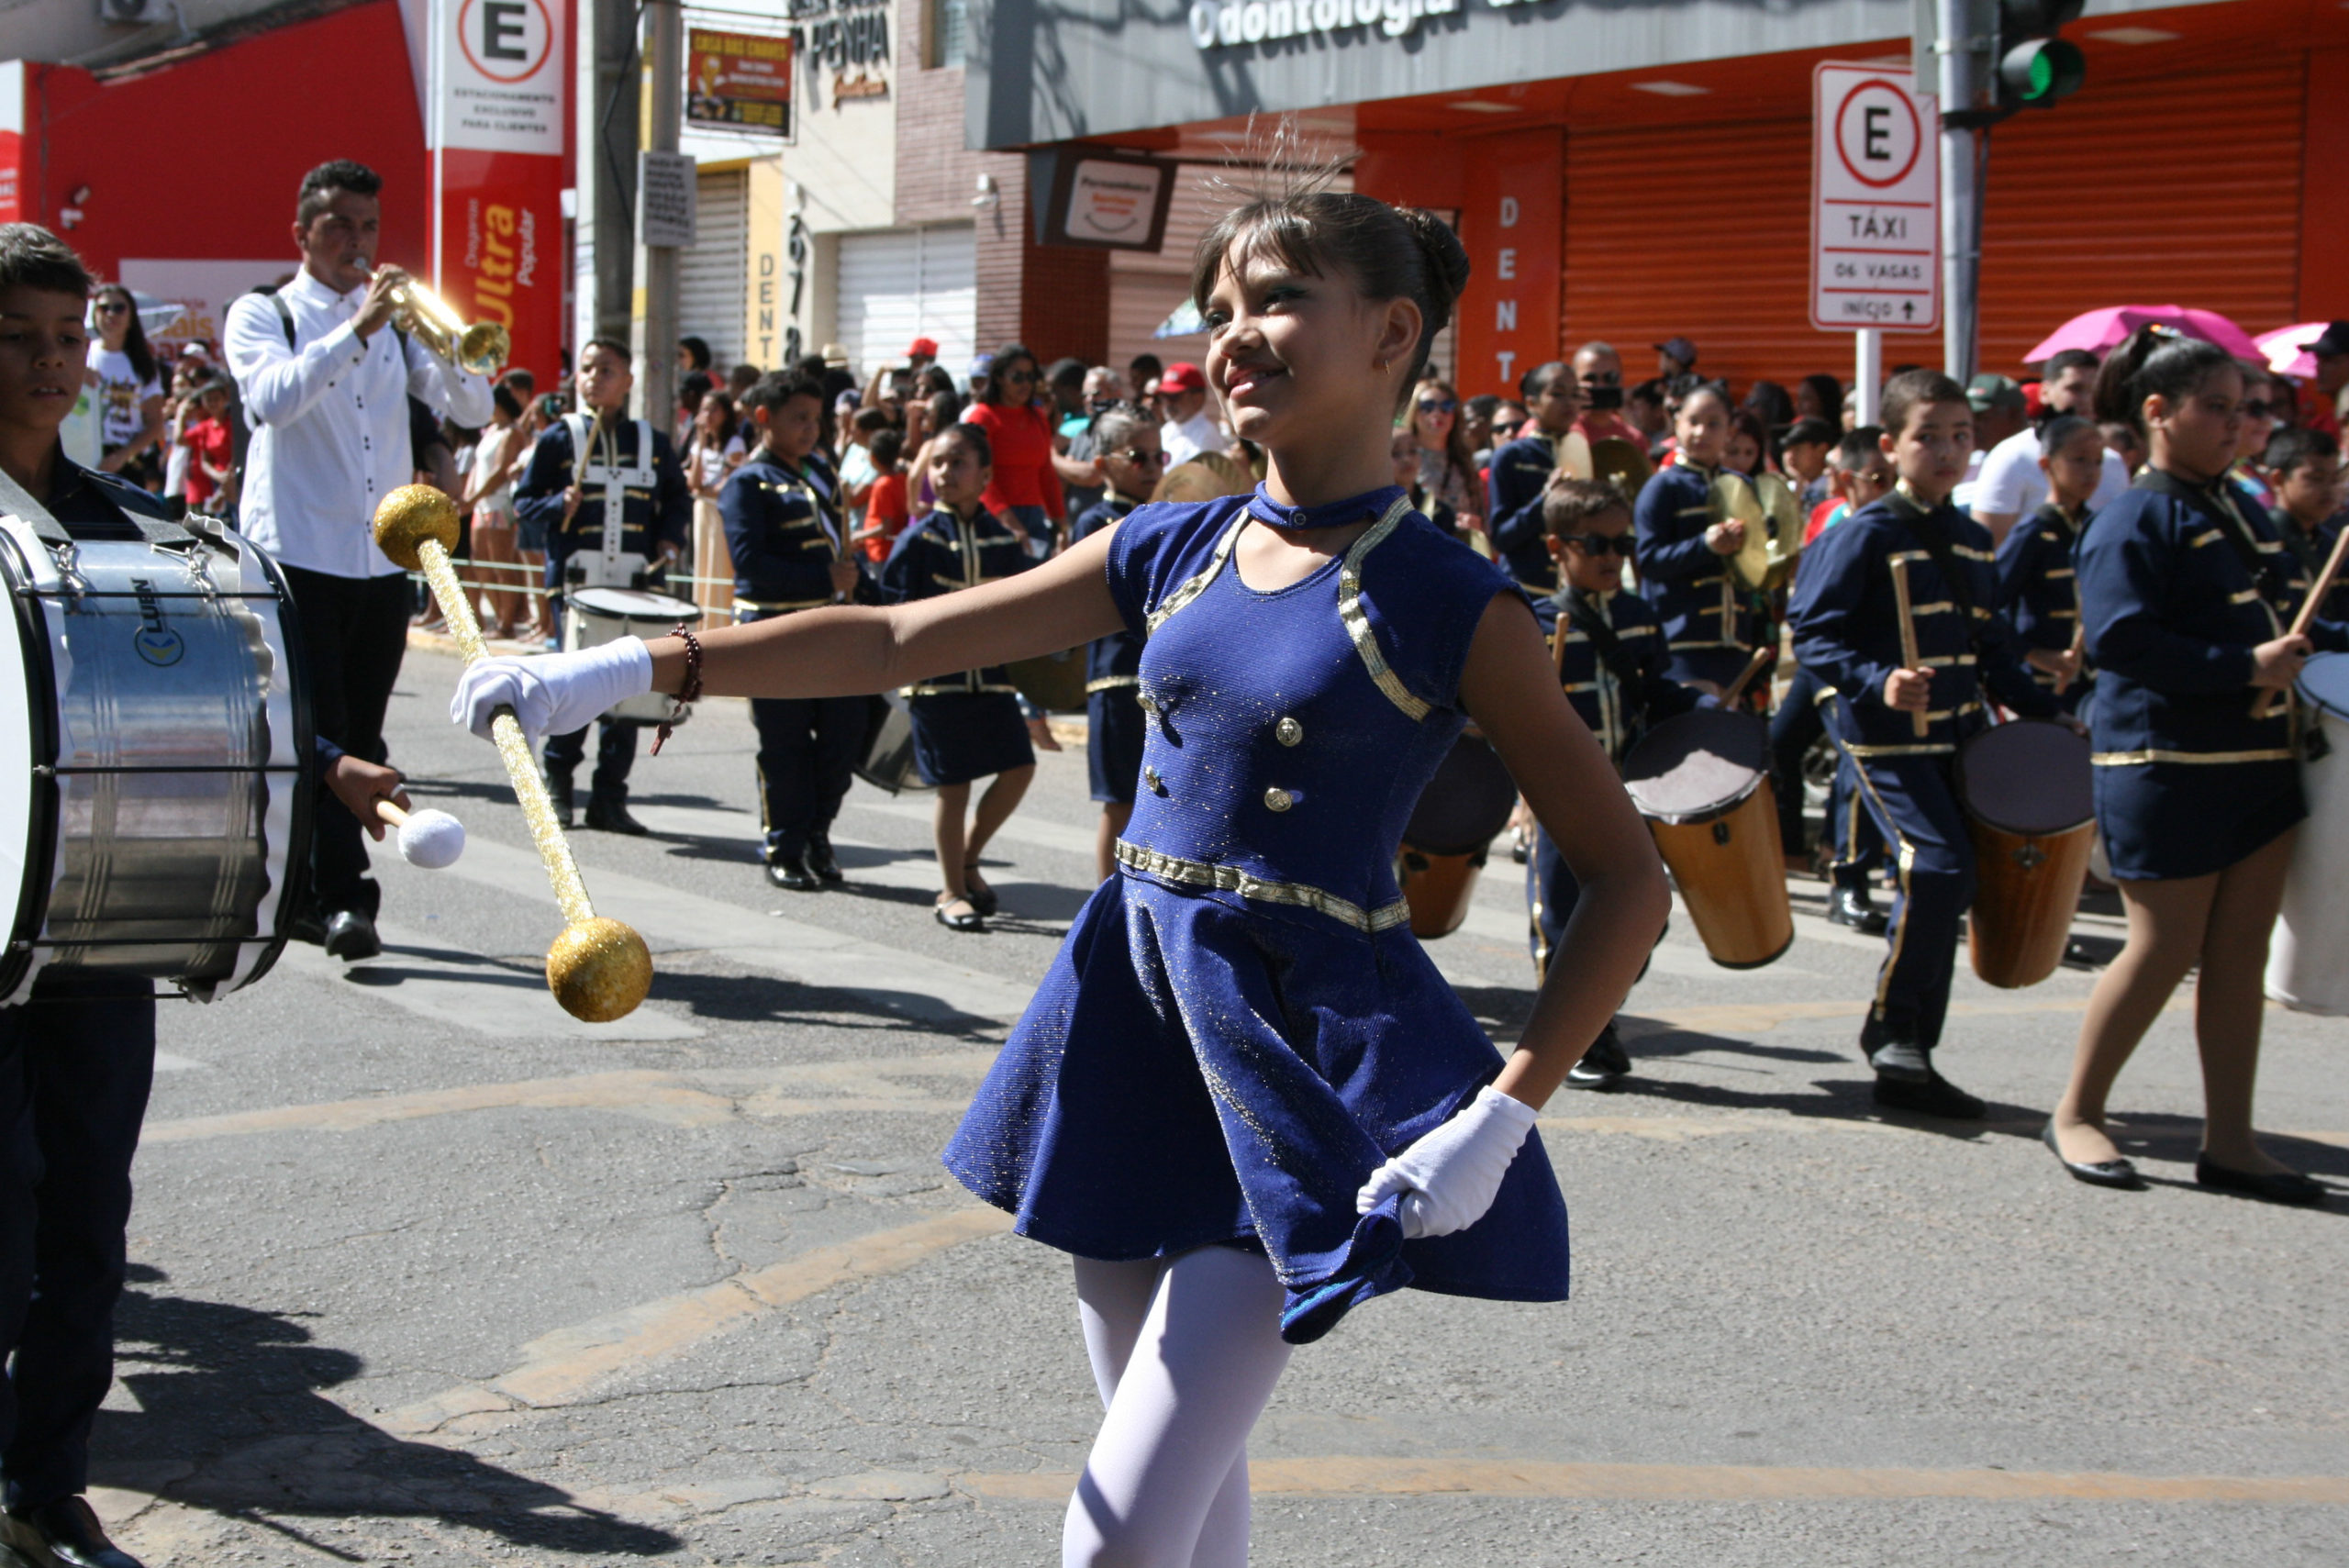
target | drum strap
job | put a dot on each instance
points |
(2217, 507)
(1935, 542)
(1583, 612)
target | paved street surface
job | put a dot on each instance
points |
(425, 1273)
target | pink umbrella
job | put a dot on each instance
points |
(2286, 350)
(2097, 330)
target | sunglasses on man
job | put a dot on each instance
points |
(1599, 544)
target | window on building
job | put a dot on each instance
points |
(950, 32)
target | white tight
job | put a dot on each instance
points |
(1185, 1352)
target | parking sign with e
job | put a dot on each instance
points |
(1876, 203)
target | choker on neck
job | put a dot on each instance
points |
(1366, 508)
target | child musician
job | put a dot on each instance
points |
(2038, 586)
(1609, 648)
(1912, 567)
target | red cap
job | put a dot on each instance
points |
(922, 348)
(1183, 376)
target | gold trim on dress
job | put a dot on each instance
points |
(1185, 593)
(1111, 683)
(1357, 624)
(2156, 754)
(1231, 879)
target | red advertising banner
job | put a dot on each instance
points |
(501, 256)
(738, 81)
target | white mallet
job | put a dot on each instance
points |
(427, 838)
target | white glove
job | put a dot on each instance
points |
(1449, 1176)
(553, 693)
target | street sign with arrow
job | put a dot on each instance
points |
(1875, 202)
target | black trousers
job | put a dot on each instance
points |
(76, 1062)
(615, 756)
(355, 631)
(808, 752)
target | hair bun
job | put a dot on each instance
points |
(1447, 258)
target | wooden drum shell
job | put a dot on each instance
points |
(1438, 889)
(2027, 890)
(1733, 877)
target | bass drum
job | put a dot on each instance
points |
(155, 792)
(2307, 958)
(593, 617)
(1702, 781)
(889, 747)
(1463, 807)
(2030, 799)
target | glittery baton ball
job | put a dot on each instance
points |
(598, 970)
(409, 516)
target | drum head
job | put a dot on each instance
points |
(1467, 802)
(2324, 681)
(2031, 777)
(630, 604)
(1692, 768)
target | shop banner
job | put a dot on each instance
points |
(498, 104)
(739, 81)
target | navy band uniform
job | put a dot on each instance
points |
(1708, 626)
(656, 509)
(1847, 630)
(2178, 584)
(1521, 471)
(968, 726)
(1113, 719)
(783, 530)
(2039, 590)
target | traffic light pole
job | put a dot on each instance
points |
(1965, 31)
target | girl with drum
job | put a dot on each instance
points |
(1243, 1098)
(2037, 588)
(966, 725)
(2187, 594)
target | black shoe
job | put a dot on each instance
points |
(975, 889)
(559, 792)
(310, 929)
(791, 871)
(64, 1533)
(970, 920)
(608, 814)
(821, 861)
(1935, 1096)
(1850, 906)
(1904, 1061)
(2116, 1172)
(2269, 1186)
(1604, 1065)
(352, 935)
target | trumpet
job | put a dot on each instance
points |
(478, 349)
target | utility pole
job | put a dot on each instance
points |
(655, 316)
(603, 221)
(1965, 37)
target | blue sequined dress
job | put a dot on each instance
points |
(1240, 1026)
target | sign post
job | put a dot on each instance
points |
(1875, 211)
(496, 133)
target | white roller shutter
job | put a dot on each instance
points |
(905, 284)
(713, 277)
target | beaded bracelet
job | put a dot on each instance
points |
(688, 693)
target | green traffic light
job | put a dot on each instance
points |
(2043, 71)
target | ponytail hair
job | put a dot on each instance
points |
(2152, 359)
(1387, 252)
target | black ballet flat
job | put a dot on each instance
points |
(2114, 1172)
(975, 889)
(973, 921)
(2269, 1187)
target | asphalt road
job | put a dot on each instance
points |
(424, 1272)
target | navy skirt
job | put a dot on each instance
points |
(962, 736)
(1114, 730)
(2169, 820)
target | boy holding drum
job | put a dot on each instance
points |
(1894, 612)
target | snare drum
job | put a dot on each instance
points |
(2029, 800)
(155, 788)
(1463, 806)
(593, 616)
(2307, 958)
(1702, 781)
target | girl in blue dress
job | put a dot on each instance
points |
(1242, 1099)
(2187, 594)
(966, 725)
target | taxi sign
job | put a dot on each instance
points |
(1876, 193)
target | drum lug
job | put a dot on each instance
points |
(1721, 830)
(2030, 856)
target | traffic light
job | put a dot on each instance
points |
(2036, 69)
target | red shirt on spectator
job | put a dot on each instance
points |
(207, 442)
(885, 508)
(1022, 443)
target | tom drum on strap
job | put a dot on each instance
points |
(155, 794)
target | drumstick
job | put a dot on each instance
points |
(427, 838)
(2264, 703)
(1909, 655)
(598, 969)
(1753, 666)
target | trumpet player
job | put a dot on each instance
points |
(327, 376)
